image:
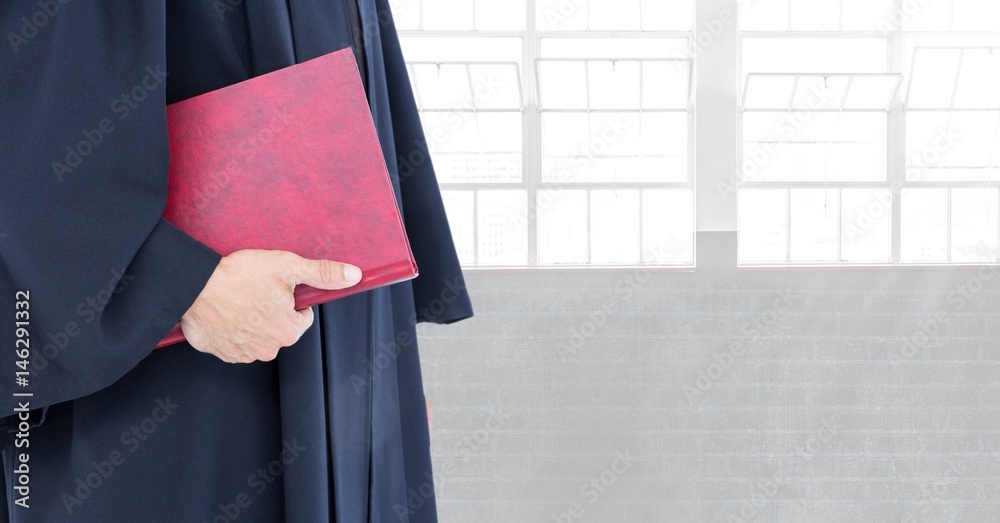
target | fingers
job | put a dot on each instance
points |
(324, 274)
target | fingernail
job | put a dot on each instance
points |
(352, 273)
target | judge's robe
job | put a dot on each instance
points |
(334, 429)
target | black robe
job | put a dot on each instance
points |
(334, 429)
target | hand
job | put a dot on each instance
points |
(246, 312)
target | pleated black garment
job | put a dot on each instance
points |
(335, 428)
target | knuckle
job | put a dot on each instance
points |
(329, 271)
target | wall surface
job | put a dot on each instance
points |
(778, 396)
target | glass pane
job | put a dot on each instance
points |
(868, 15)
(610, 15)
(614, 226)
(442, 86)
(666, 85)
(819, 92)
(974, 224)
(815, 224)
(563, 84)
(461, 49)
(871, 92)
(815, 15)
(952, 146)
(819, 127)
(763, 227)
(769, 92)
(979, 81)
(614, 48)
(500, 15)
(667, 15)
(614, 85)
(814, 55)
(474, 147)
(927, 15)
(459, 206)
(977, 15)
(831, 162)
(932, 80)
(865, 225)
(667, 226)
(562, 226)
(447, 14)
(764, 15)
(497, 86)
(503, 227)
(924, 227)
(560, 15)
(406, 14)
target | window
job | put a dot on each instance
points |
(869, 132)
(563, 131)
(560, 131)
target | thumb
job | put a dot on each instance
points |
(326, 274)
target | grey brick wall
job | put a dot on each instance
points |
(786, 396)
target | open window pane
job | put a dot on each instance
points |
(819, 92)
(924, 225)
(974, 225)
(815, 222)
(872, 92)
(763, 228)
(614, 226)
(443, 86)
(563, 84)
(979, 80)
(497, 86)
(502, 219)
(667, 226)
(614, 84)
(932, 79)
(769, 91)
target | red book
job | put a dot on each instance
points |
(289, 160)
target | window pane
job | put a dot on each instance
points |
(460, 207)
(500, 15)
(614, 85)
(503, 227)
(610, 15)
(442, 86)
(559, 15)
(563, 84)
(764, 15)
(562, 226)
(666, 85)
(406, 14)
(667, 226)
(924, 227)
(974, 224)
(473, 147)
(868, 15)
(930, 15)
(614, 226)
(497, 86)
(447, 14)
(763, 228)
(819, 92)
(961, 146)
(815, 15)
(979, 81)
(865, 225)
(815, 222)
(814, 55)
(977, 15)
(932, 80)
(769, 92)
(620, 48)
(667, 15)
(871, 92)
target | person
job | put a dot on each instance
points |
(229, 427)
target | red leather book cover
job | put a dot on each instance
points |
(289, 160)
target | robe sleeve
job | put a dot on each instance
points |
(440, 293)
(83, 178)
